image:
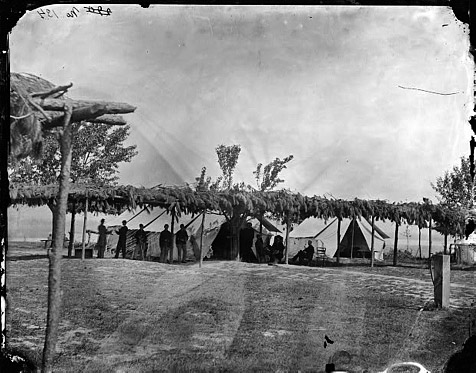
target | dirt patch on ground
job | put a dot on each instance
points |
(132, 316)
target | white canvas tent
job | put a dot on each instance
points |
(466, 250)
(155, 220)
(356, 236)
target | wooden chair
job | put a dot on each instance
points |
(320, 255)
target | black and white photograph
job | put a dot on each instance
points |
(240, 188)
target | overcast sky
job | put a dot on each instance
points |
(321, 83)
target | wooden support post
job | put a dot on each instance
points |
(372, 243)
(352, 240)
(429, 244)
(338, 239)
(395, 244)
(85, 221)
(288, 226)
(201, 240)
(446, 244)
(171, 254)
(72, 229)
(54, 275)
(419, 240)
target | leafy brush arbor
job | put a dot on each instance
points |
(96, 153)
(37, 107)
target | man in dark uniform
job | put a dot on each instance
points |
(102, 239)
(276, 250)
(121, 243)
(181, 238)
(305, 254)
(246, 242)
(259, 246)
(141, 241)
(166, 243)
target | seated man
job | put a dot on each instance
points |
(276, 251)
(305, 254)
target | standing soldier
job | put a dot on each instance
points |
(121, 243)
(102, 239)
(181, 238)
(165, 242)
(259, 245)
(141, 241)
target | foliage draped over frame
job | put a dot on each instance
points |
(115, 199)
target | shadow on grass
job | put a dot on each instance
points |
(26, 257)
(38, 256)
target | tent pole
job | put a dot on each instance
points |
(149, 223)
(171, 254)
(140, 212)
(395, 249)
(352, 240)
(83, 246)
(419, 240)
(372, 243)
(288, 224)
(201, 240)
(338, 240)
(191, 221)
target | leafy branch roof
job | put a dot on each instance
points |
(279, 203)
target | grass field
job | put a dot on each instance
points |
(131, 316)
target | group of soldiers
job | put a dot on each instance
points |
(165, 241)
(265, 252)
(273, 254)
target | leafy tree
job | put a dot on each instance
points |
(268, 178)
(204, 182)
(455, 187)
(97, 151)
(456, 191)
(227, 159)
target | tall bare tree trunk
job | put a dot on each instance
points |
(54, 276)
(395, 245)
(71, 230)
